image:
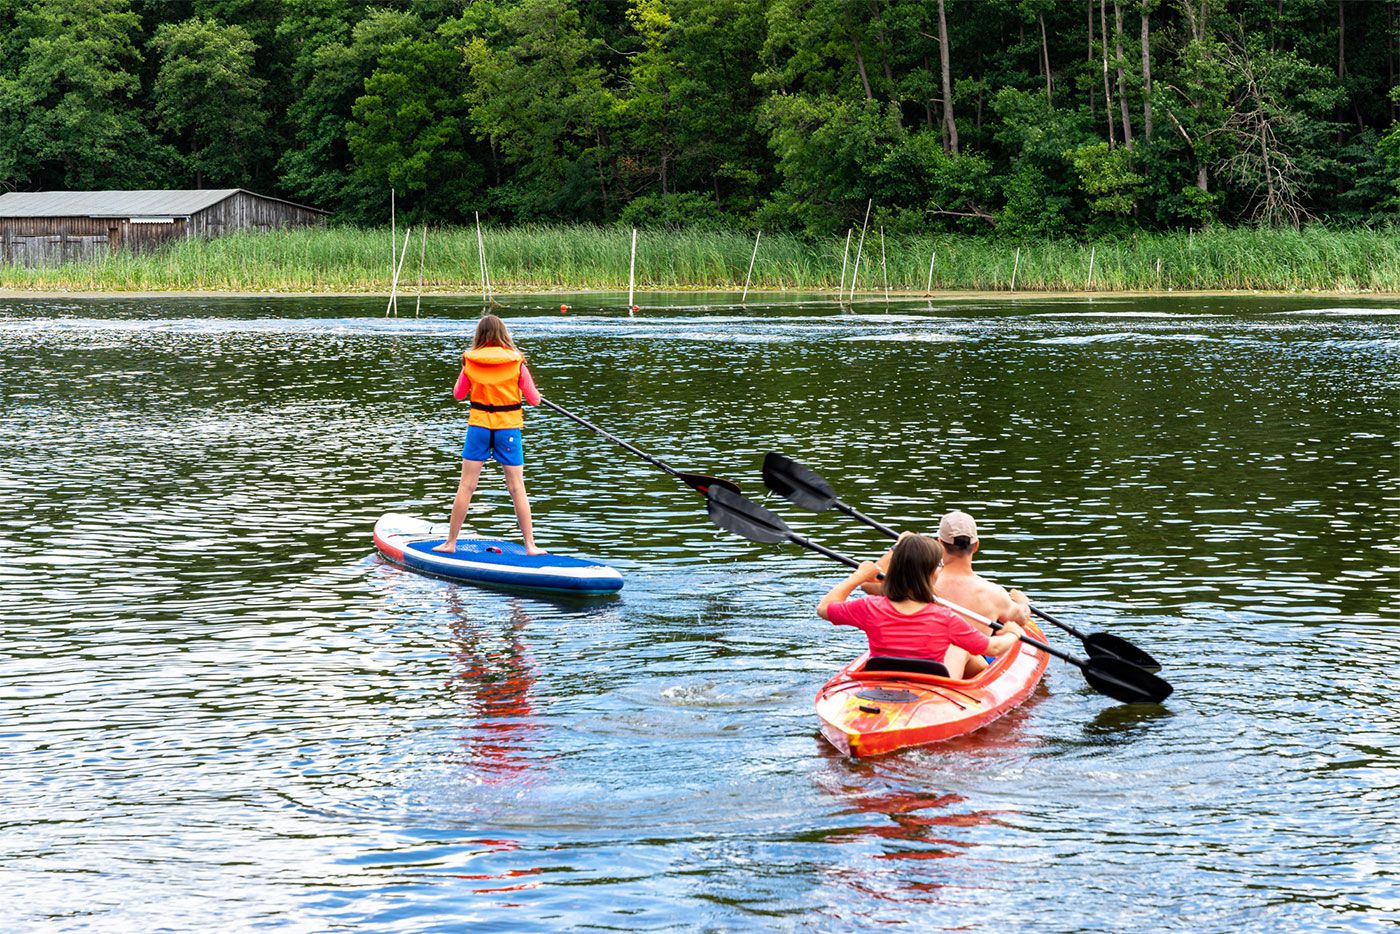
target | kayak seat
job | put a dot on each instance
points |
(923, 666)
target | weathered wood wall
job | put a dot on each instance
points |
(53, 249)
(42, 241)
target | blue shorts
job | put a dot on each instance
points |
(504, 444)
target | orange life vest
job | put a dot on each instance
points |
(495, 376)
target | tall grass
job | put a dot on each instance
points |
(535, 258)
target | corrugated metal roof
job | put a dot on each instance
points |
(165, 203)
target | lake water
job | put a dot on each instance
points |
(222, 710)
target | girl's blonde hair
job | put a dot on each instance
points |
(491, 332)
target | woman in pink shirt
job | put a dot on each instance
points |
(905, 622)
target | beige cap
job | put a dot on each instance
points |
(955, 524)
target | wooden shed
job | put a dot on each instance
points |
(39, 228)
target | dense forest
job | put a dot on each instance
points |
(1011, 117)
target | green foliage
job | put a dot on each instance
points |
(410, 130)
(789, 114)
(67, 112)
(1107, 179)
(208, 97)
(538, 94)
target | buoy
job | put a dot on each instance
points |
(634, 309)
(563, 309)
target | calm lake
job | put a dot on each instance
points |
(222, 710)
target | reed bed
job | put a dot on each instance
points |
(579, 258)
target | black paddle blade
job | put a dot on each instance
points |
(736, 514)
(796, 483)
(700, 482)
(1106, 645)
(1126, 682)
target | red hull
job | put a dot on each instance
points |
(902, 709)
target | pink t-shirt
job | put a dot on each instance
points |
(925, 634)
(527, 386)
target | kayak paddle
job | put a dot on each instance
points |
(1114, 677)
(698, 482)
(807, 490)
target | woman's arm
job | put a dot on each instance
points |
(876, 587)
(842, 591)
(1005, 639)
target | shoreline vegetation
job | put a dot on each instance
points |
(594, 258)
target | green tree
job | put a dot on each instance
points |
(207, 96)
(537, 92)
(410, 130)
(684, 123)
(68, 112)
(334, 64)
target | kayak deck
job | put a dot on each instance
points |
(869, 713)
(409, 542)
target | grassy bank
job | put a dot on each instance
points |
(579, 258)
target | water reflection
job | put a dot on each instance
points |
(493, 683)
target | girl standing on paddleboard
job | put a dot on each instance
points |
(494, 376)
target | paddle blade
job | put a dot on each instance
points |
(1107, 645)
(735, 513)
(796, 483)
(700, 482)
(1125, 682)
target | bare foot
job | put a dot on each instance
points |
(535, 550)
(446, 546)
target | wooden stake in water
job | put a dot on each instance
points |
(865, 225)
(393, 244)
(749, 274)
(632, 274)
(884, 270)
(394, 285)
(841, 288)
(1015, 269)
(932, 256)
(1089, 283)
(422, 254)
(481, 257)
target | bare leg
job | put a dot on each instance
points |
(471, 471)
(515, 483)
(955, 660)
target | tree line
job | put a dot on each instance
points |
(1022, 118)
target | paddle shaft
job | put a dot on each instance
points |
(655, 462)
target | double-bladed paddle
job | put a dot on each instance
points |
(806, 489)
(699, 482)
(1114, 677)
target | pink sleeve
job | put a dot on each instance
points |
(463, 387)
(961, 634)
(527, 386)
(849, 613)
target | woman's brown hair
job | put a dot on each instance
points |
(912, 565)
(491, 332)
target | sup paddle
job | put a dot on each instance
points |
(1114, 677)
(808, 490)
(698, 482)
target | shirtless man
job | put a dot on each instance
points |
(958, 583)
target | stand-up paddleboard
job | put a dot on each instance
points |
(408, 542)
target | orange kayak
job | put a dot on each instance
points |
(869, 713)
